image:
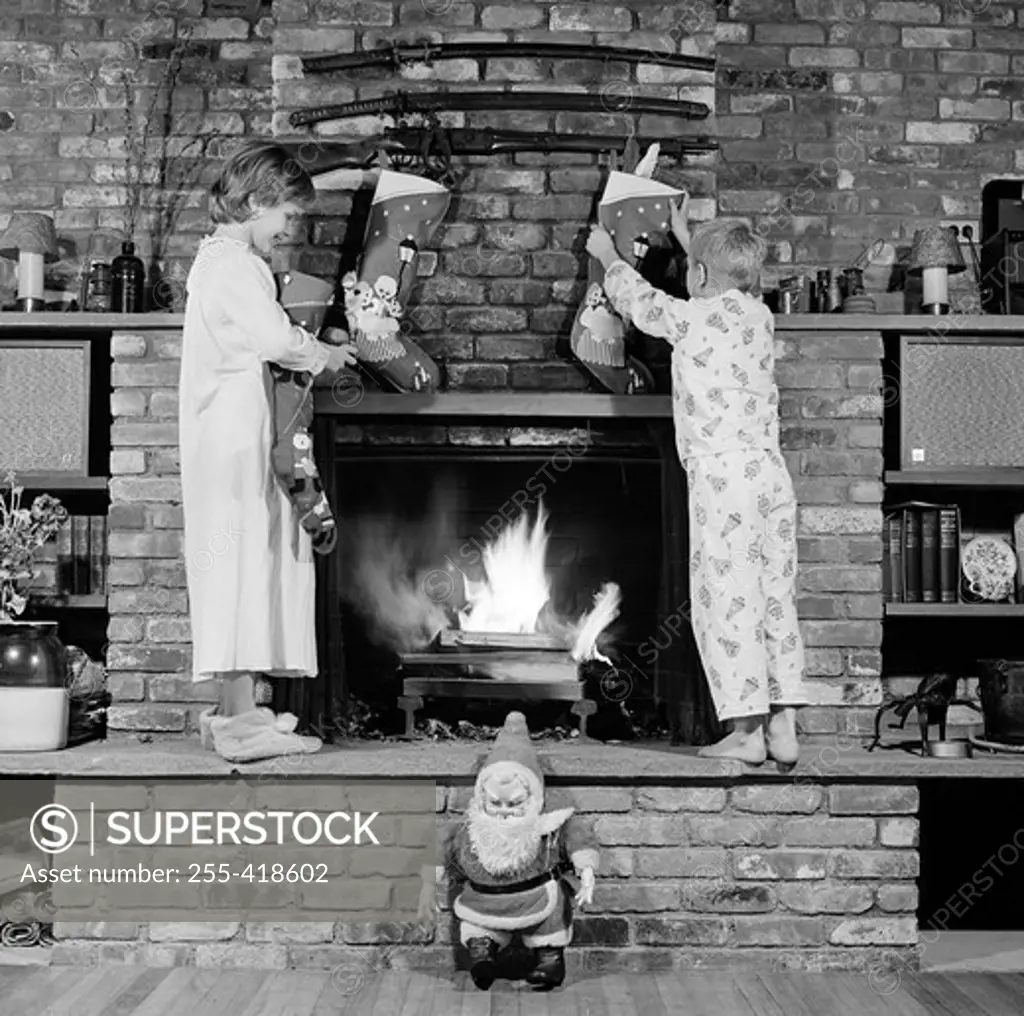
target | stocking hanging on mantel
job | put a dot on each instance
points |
(405, 213)
(635, 210)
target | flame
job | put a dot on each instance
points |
(515, 593)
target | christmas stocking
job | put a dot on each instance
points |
(406, 211)
(635, 210)
(306, 299)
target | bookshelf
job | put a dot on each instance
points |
(950, 441)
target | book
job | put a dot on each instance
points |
(892, 551)
(98, 554)
(912, 555)
(65, 560)
(80, 554)
(949, 554)
(929, 555)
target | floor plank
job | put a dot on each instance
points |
(647, 1000)
(940, 996)
(118, 990)
(757, 996)
(41, 991)
(783, 987)
(340, 998)
(113, 983)
(706, 993)
(163, 996)
(286, 993)
(987, 993)
(230, 996)
(87, 983)
(474, 1001)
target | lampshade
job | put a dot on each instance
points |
(31, 232)
(936, 247)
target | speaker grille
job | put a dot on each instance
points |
(963, 405)
(43, 409)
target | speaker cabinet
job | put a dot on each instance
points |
(961, 402)
(44, 407)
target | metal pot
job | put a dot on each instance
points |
(1001, 684)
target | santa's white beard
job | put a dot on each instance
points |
(503, 846)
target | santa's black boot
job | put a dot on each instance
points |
(550, 969)
(483, 957)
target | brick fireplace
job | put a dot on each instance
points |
(831, 438)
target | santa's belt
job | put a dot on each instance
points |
(520, 887)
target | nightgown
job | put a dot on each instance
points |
(249, 564)
(742, 510)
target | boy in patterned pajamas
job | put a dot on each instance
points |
(742, 506)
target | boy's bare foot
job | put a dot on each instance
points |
(783, 745)
(745, 743)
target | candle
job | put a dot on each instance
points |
(936, 285)
(30, 276)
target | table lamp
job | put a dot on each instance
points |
(936, 253)
(31, 240)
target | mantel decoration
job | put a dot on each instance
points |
(935, 255)
(34, 705)
(168, 151)
(31, 240)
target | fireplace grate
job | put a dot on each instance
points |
(493, 666)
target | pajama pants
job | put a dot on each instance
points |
(743, 580)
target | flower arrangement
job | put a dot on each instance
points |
(22, 532)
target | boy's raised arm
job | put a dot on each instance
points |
(634, 299)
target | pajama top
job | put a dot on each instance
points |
(248, 562)
(723, 365)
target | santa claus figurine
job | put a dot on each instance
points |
(510, 861)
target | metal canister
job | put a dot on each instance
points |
(98, 297)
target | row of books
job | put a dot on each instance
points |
(922, 553)
(75, 563)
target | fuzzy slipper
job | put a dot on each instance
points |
(255, 735)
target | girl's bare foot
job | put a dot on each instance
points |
(782, 741)
(745, 742)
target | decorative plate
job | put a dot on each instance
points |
(989, 566)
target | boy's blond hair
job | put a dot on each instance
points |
(732, 249)
(258, 175)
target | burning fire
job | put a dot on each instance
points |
(515, 593)
(394, 587)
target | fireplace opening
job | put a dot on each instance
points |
(418, 529)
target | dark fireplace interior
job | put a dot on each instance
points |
(415, 519)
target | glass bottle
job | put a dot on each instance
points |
(128, 278)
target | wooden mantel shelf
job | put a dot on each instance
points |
(995, 324)
(79, 321)
(550, 405)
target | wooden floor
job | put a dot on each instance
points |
(185, 991)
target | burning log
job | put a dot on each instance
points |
(454, 638)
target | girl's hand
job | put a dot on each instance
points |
(335, 336)
(680, 221)
(341, 357)
(601, 246)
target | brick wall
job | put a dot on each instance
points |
(808, 875)
(850, 120)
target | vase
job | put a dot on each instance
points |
(33, 687)
(128, 280)
(1001, 684)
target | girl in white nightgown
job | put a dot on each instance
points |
(249, 564)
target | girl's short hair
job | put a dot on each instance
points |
(732, 249)
(258, 175)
